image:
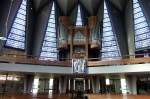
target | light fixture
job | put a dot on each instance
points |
(107, 81)
(10, 78)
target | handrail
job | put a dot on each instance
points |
(120, 62)
(29, 59)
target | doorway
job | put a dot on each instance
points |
(79, 85)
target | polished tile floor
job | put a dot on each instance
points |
(67, 97)
(118, 96)
(25, 96)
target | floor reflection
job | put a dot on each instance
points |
(91, 96)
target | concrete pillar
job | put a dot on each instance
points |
(84, 84)
(28, 81)
(69, 84)
(133, 84)
(107, 82)
(35, 85)
(62, 85)
(93, 85)
(25, 85)
(89, 84)
(74, 84)
(123, 82)
(97, 85)
(51, 83)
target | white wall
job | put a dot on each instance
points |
(68, 70)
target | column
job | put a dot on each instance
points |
(97, 85)
(123, 85)
(64, 84)
(84, 84)
(89, 84)
(94, 85)
(51, 83)
(60, 85)
(74, 84)
(69, 84)
(133, 84)
(28, 82)
(25, 85)
(107, 81)
(35, 86)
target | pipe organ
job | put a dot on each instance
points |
(78, 42)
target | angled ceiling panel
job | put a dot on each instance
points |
(38, 4)
(91, 5)
(88, 5)
(120, 4)
(66, 5)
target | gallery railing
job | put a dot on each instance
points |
(27, 59)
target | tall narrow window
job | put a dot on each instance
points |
(49, 48)
(79, 19)
(16, 37)
(142, 30)
(110, 49)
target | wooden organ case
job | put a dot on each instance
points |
(78, 42)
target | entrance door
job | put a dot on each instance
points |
(79, 88)
(79, 85)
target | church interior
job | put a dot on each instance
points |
(74, 49)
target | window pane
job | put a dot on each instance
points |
(49, 48)
(110, 48)
(138, 15)
(142, 32)
(18, 26)
(16, 37)
(141, 25)
(108, 33)
(138, 20)
(79, 19)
